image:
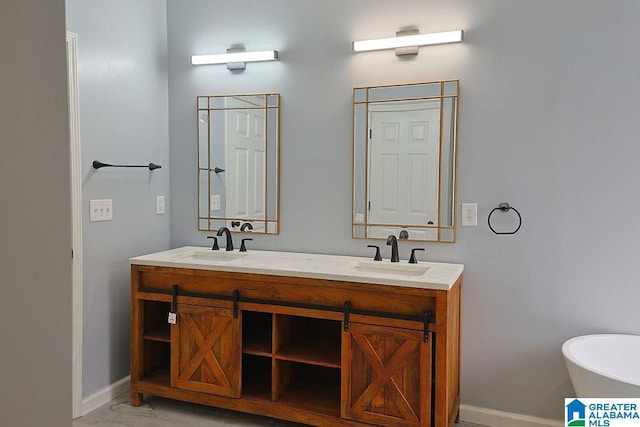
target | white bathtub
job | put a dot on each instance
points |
(604, 365)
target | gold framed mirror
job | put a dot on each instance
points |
(404, 161)
(238, 162)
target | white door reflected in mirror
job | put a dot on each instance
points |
(246, 160)
(404, 161)
(404, 150)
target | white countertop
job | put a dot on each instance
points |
(440, 276)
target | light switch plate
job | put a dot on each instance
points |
(100, 210)
(160, 205)
(215, 202)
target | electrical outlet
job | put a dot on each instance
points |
(160, 205)
(215, 202)
(469, 214)
(100, 210)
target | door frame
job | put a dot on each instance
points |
(76, 219)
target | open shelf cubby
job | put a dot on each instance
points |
(314, 388)
(256, 376)
(157, 356)
(156, 326)
(157, 342)
(256, 333)
(307, 340)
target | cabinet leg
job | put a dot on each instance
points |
(136, 398)
(457, 416)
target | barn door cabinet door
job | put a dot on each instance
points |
(206, 350)
(386, 376)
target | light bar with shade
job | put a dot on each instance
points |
(235, 57)
(408, 41)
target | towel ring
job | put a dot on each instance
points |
(504, 207)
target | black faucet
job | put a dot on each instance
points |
(413, 259)
(215, 246)
(245, 226)
(243, 248)
(377, 257)
(393, 242)
(227, 232)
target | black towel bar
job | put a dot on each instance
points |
(97, 165)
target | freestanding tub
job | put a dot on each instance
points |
(604, 365)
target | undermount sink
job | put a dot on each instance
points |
(211, 255)
(386, 267)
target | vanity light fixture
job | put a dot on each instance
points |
(407, 42)
(235, 58)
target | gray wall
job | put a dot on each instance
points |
(35, 225)
(122, 68)
(549, 101)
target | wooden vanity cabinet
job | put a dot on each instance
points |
(287, 347)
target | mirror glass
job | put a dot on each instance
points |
(404, 157)
(238, 161)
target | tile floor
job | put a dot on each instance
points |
(158, 412)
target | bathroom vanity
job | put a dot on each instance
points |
(316, 339)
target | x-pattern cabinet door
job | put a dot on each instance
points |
(386, 376)
(206, 350)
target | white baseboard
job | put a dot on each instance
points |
(492, 418)
(105, 395)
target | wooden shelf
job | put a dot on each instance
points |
(312, 350)
(160, 333)
(255, 391)
(257, 348)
